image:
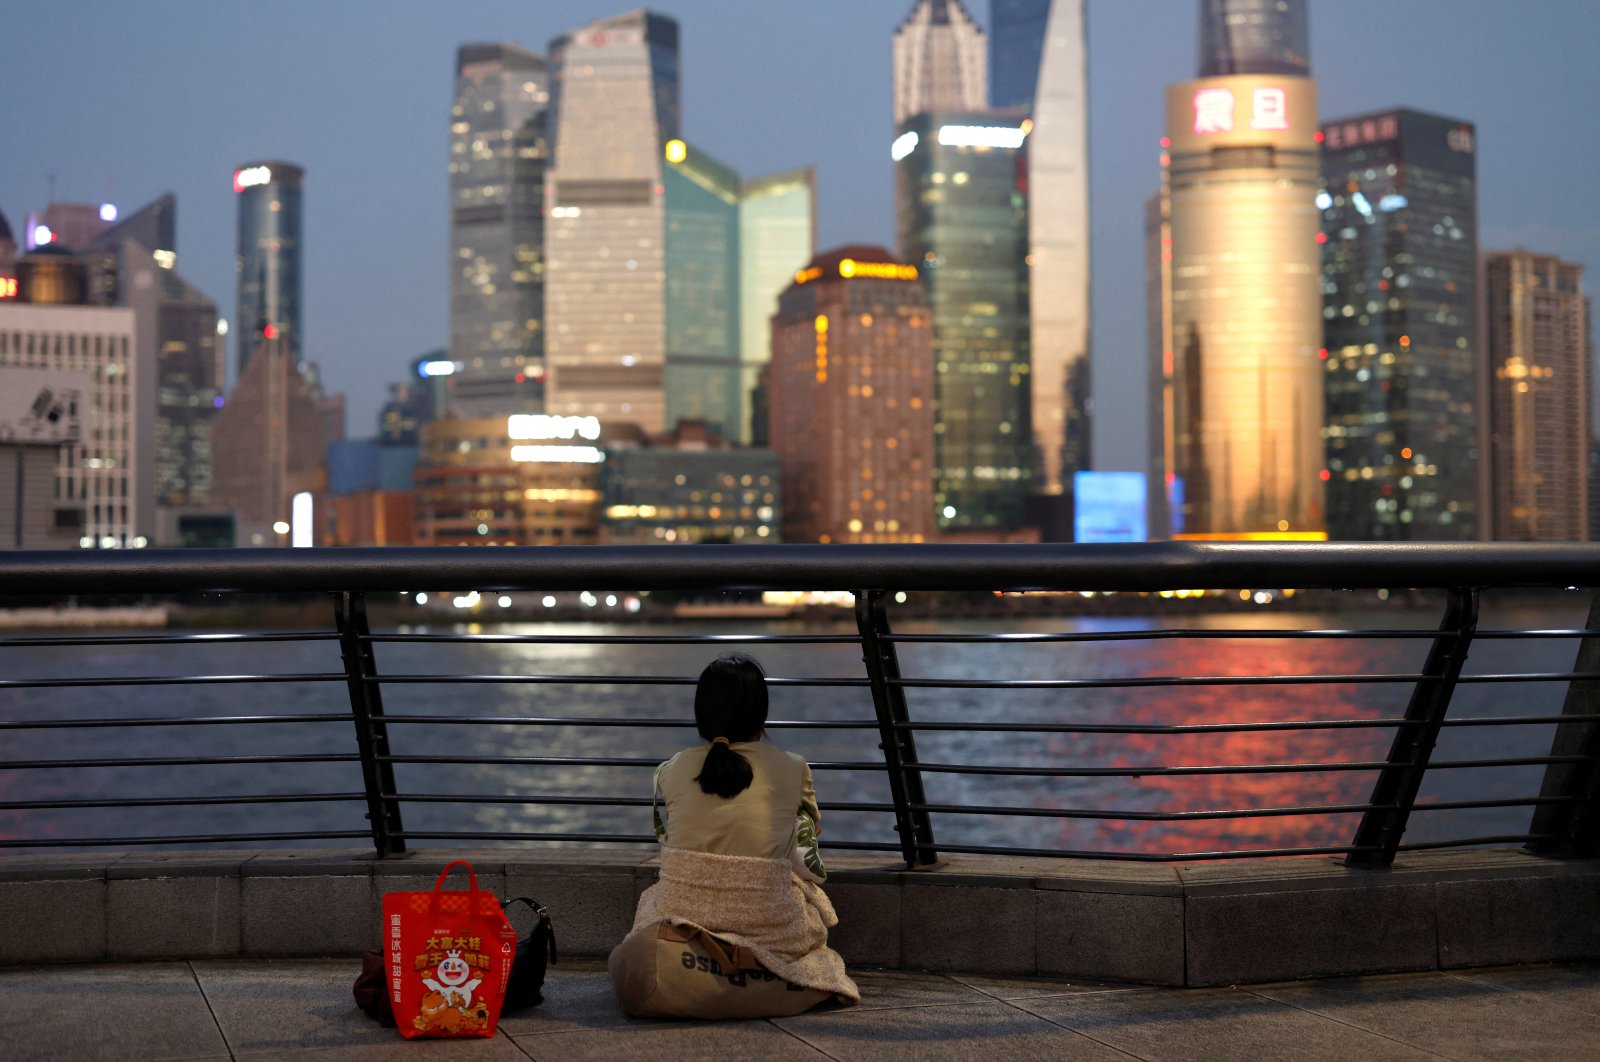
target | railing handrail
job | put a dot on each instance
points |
(1135, 566)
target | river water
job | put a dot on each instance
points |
(821, 746)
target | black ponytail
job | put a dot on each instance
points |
(730, 702)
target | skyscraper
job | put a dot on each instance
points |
(499, 153)
(777, 237)
(1038, 62)
(615, 106)
(940, 63)
(267, 263)
(962, 215)
(1540, 356)
(1239, 357)
(1254, 37)
(701, 289)
(851, 400)
(1399, 270)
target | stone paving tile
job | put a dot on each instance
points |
(730, 1041)
(1201, 1024)
(958, 1031)
(887, 989)
(303, 1009)
(1008, 988)
(1452, 1015)
(577, 998)
(1571, 986)
(149, 1011)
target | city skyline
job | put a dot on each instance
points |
(377, 217)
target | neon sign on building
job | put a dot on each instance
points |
(1215, 109)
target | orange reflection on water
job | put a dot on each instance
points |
(1183, 705)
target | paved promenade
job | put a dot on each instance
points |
(301, 1009)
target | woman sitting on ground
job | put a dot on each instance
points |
(738, 861)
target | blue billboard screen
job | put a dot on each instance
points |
(1109, 507)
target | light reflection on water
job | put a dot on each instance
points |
(1143, 793)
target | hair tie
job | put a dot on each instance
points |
(720, 741)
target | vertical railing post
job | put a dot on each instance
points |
(898, 745)
(372, 733)
(1572, 827)
(1396, 791)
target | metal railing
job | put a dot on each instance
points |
(1562, 811)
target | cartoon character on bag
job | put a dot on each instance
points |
(453, 983)
(448, 1007)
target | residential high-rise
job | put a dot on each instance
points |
(851, 400)
(777, 237)
(701, 290)
(1240, 356)
(615, 107)
(499, 154)
(1399, 274)
(961, 207)
(1038, 62)
(268, 260)
(1541, 353)
(940, 61)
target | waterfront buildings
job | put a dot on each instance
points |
(523, 480)
(1540, 356)
(87, 357)
(1240, 373)
(370, 496)
(850, 399)
(1038, 63)
(267, 448)
(499, 155)
(1400, 332)
(615, 106)
(777, 237)
(940, 61)
(961, 206)
(267, 263)
(690, 487)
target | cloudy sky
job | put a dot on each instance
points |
(127, 100)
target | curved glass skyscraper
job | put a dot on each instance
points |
(1254, 37)
(268, 260)
(1238, 360)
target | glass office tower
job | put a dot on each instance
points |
(267, 263)
(615, 97)
(961, 208)
(1399, 283)
(1038, 62)
(701, 290)
(1254, 37)
(777, 237)
(940, 61)
(498, 157)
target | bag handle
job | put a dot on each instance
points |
(543, 914)
(472, 899)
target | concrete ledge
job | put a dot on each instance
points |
(1207, 924)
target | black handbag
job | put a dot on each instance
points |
(533, 953)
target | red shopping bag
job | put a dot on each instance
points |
(449, 957)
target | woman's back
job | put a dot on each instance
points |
(759, 821)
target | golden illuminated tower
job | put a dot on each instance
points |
(850, 391)
(1539, 362)
(1239, 358)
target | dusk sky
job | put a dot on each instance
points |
(127, 100)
